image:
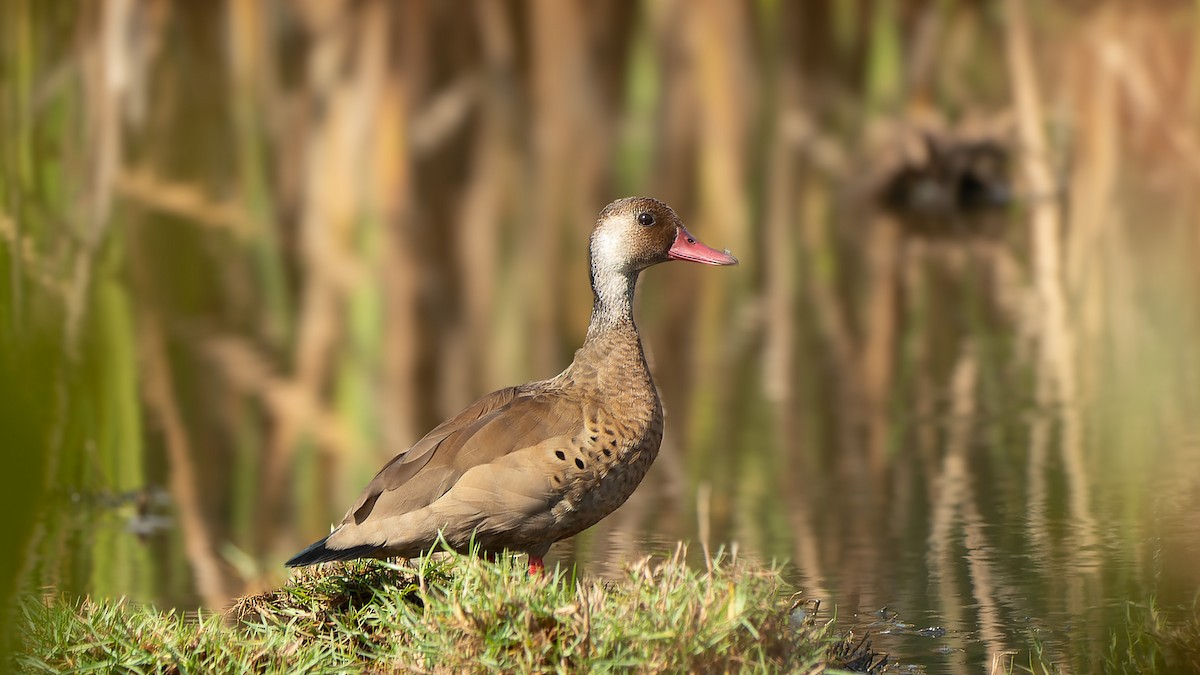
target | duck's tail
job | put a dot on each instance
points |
(319, 552)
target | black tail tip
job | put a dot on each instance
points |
(318, 552)
(315, 553)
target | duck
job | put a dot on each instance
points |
(530, 465)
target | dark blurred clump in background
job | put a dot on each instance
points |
(956, 187)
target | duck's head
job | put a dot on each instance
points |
(634, 233)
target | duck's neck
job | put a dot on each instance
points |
(612, 306)
(611, 358)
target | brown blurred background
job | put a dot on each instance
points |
(250, 250)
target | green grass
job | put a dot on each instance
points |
(1147, 641)
(453, 614)
(1153, 643)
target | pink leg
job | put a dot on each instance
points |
(537, 566)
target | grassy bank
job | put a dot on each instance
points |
(458, 614)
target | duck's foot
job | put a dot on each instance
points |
(537, 566)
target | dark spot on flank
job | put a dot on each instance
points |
(579, 462)
(556, 479)
(560, 454)
(607, 452)
(613, 442)
(594, 439)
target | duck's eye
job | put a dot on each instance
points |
(645, 219)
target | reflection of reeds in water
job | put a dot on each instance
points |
(333, 224)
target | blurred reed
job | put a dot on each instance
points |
(279, 241)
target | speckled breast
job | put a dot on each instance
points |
(613, 462)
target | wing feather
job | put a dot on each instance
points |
(496, 425)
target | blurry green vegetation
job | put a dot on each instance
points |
(457, 615)
(1146, 641)
(27, 415)
(248, 251)
(1153, 642)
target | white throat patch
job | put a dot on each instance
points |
(612, 278)
(608, 254)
